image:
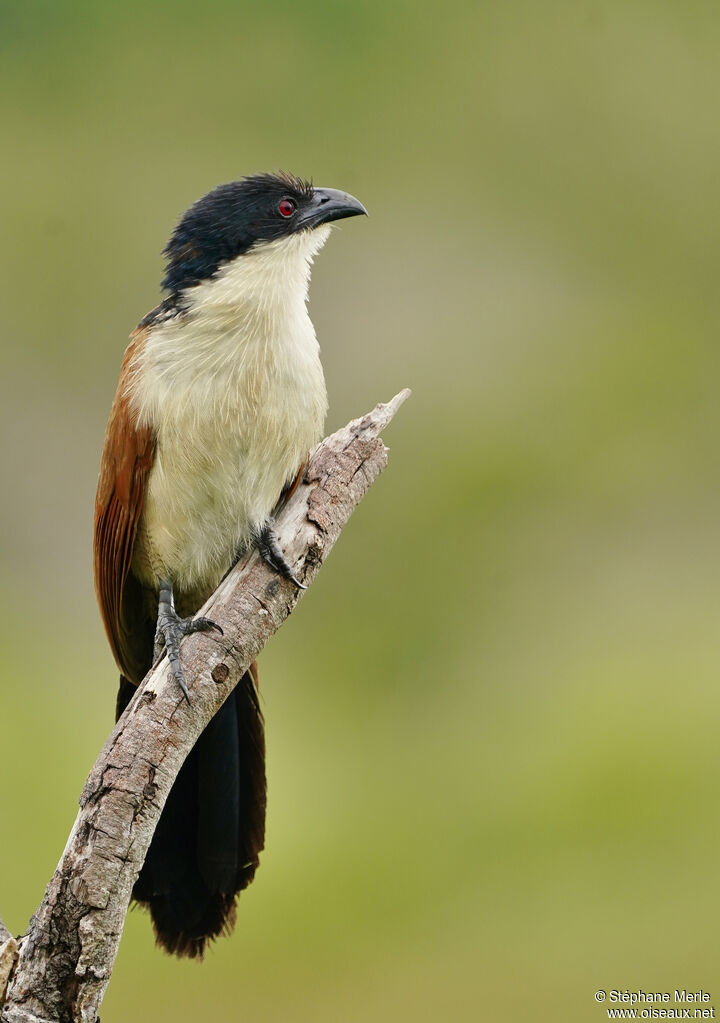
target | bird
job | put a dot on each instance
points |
(221, 396)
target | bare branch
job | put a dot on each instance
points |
(66, 957)
(8, 957)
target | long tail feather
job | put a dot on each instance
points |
(207, 845)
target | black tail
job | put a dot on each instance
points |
(212, 829)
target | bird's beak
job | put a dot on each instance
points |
(329, 204)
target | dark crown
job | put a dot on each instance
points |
(227, 222)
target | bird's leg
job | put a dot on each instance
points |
(272, 555)
(171, 628)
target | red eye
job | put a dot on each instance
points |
(286, 208)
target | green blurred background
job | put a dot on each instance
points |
(492, 724)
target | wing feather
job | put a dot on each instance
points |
(127, 457)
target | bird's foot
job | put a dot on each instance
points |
(272, 555)
(170, 630)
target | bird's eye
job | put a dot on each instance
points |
(286, 208)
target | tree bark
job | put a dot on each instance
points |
(61, 967)
(8, 955)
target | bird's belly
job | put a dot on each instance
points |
(235, 395)
(212, 487)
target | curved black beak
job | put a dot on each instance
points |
(329, 204)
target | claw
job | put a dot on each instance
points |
(190, 625)
(272, 555)
(170, 630)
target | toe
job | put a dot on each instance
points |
(201, 625)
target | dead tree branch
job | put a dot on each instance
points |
(8, 955)
(63, 963)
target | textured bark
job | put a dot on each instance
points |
(8, 956)
(66, 957)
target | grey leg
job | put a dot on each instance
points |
(272, 555)
(171, 629)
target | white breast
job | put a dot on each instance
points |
(235, 393)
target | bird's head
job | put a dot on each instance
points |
(240, 217)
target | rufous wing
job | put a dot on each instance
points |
(127, 457)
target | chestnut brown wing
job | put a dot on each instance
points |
(127, 457)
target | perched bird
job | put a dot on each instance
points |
(221, 395)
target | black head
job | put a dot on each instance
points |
(233, 218)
